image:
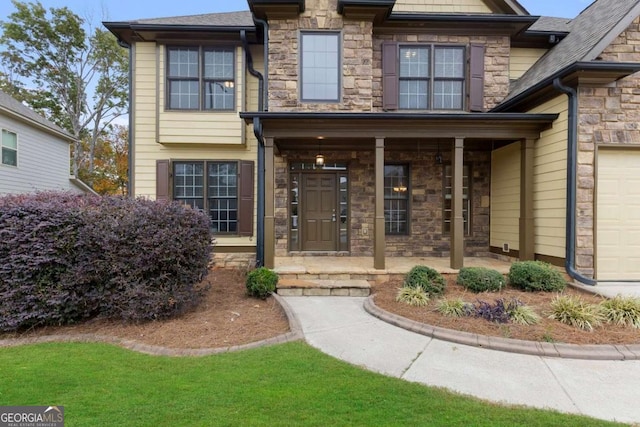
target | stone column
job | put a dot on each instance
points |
(527, 237)
(269, 204)
(379, 236)
(457, 220)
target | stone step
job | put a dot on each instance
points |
(343, 288)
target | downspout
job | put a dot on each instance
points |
(572, 154)
(257, 130)
(265, 44)
(130, 188)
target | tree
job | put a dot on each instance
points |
(75, 78)
(111, 165)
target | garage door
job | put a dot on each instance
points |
(618, 226)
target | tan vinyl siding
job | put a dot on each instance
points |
(550, 182)
(505, 197)
(521, 59)
(200, 127)
(441, 6)
(146, 147)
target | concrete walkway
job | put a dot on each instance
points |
(340, 327)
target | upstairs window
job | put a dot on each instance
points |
(9, 146)
(432, 77)
(320, 67)
(200, 78)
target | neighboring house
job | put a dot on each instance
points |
(397, 128)
(35, 152)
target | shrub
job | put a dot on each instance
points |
(497, 312)
(480, 279)
(575, 312)
(261, 282)
(455, 308)
(69, 257)
(147, 256)
(624, 311)
(523, 315)
(426, 278)
(415, 297)
(536, 276)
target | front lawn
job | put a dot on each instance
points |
(290, 384)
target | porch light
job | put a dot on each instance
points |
(319, 156)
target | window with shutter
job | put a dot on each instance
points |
(432, 77)
(222, 189)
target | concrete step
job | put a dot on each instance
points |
(318, 287)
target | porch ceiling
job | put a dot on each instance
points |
(351, 130)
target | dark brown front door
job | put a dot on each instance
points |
(319, 232)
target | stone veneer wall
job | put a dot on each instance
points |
(496, 64)
(356, 58)
(426, 185)
(607, 116)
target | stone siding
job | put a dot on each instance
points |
(496, 64)
(356, 60)
(426, 185)
(608, 115)
(361, 57)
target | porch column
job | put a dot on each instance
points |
(269, 211)
(527, 244)
(378, 231)
(457, 220)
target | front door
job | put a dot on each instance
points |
(318, 202)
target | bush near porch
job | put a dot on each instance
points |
(70, 257)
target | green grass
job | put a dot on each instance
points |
(290, 384)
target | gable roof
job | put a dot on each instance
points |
(12, 107)
(228, 19)
(176, 27)
(549, 24)
(591, 32)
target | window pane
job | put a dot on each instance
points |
(320, 67)
(183, 95)
(396, 194)
(414, 94)
(447, 95)
(223, 196)
(9, 157)
(219, 95)
(188, 184)
(466, 202)
(9, 139)
(218, 64)
(183, 62)
(414, 62)
(449, 62)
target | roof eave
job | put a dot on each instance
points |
(130, 31)
(576, 72)
(59, 133)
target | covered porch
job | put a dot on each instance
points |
(383, 138)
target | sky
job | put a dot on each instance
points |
(124, 10)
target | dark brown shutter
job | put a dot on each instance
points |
(162, 180)
(476, 74)
(390, 75)
(245, 210)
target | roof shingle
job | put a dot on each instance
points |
(597, 23)
(11, 104)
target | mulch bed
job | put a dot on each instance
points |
(547, 330)
(225, 317)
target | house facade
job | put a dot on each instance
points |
(407, 128)
(35, 153)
